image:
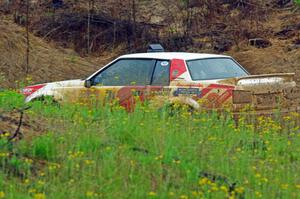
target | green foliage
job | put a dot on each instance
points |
(44, 147)
(9, 100)
(297, 2)
(109, 153)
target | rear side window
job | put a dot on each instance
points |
(126, 72)
(161, 73)
(215, 68)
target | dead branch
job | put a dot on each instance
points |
(17, 132)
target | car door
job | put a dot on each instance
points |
(169, 85)
(158, 91)
(124, 80)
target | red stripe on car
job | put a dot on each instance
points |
(31, 89)
(215, 86)
(177, 68)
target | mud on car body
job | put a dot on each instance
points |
(201, 81)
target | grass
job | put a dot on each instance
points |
(88, 152)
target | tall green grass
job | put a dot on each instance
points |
(87, 152)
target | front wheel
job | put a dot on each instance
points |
(47, 100)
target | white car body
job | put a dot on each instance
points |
(219, 91)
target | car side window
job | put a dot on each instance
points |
(126, 72)
(161, 75)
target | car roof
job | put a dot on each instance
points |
(173, 55)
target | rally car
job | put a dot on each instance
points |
(201, 81)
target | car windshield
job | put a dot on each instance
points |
(215, 68)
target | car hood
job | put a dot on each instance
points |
(67, 83)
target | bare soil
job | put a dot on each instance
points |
(9, 122)
(49, 62)
(46, 62)
(283, 56)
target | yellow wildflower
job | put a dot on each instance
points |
(39, 196)
(176, 161)
(224, 188)
(214, 188)
(284, 186)
(2, 194)
(258, 194)
(160, 157)
(171, 193)
(152, 193)
(89, 194)
(4, 154)
(240, 190)
(89, 162)
(183, 197)
(194, 193)
(265, 179)
(203, 181)
(40, 182)
(6, 134)
(31, 190)
(132, 162)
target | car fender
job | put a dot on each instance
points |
(48, 90)
(54, 89)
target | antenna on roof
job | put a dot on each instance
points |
(153, 48)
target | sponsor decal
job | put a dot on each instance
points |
(164, 63)
(187, 91)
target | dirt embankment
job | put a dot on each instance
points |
(49, 62)
(284, 53)
(46, 62)
(275, 59)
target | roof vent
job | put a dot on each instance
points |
(153, 48)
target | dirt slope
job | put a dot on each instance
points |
(9, 122)
(47, 62)
(283, 55)
(271, 60)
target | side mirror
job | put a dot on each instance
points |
(88, 83)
